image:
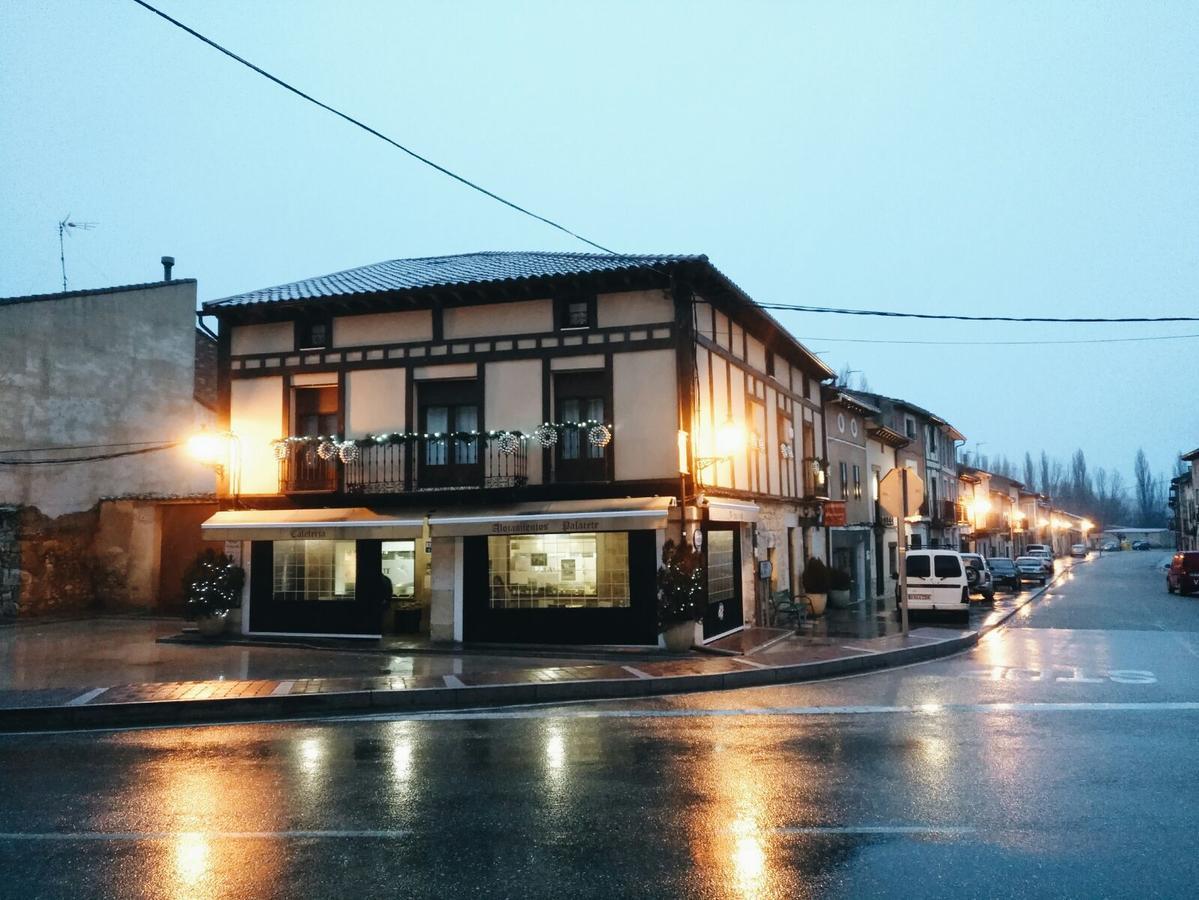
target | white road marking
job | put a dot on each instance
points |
(923, 709)
(858, 649)
(452, 681)
(175, 835)
(875, 829)
(86, 697)
(283, 687)
(634, 671)
(749, 662)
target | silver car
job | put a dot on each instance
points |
(1032, 568)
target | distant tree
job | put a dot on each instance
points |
(1045, 481)
(1150, 494)
(1081, 493)
(1030, 472)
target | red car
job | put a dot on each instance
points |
(1183, 575)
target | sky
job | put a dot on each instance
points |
(984, 158)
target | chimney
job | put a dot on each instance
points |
(167, 263)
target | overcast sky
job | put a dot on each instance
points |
(1008, 158)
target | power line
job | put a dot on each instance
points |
(794, 307)
(85, 447)
(1157, 337)
(369, 130)
(81, 459)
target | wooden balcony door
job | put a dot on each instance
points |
(580, 397)
(447, 407)
(316, 415)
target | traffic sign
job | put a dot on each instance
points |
(890, 493)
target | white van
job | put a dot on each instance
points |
(937, 581)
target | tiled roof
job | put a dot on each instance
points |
(92, 292)
(448, 271)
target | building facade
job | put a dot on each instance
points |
(1184, 503)
(497, 446)
(852, 545)
(100, 506)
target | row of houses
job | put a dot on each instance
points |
(497, 446)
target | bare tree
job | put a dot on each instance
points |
(1030, 472)
(1150, 494)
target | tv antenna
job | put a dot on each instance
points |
(63, 228)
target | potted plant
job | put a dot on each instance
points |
(211, 587)
(680, 595)
(839, 586)
(815, 584)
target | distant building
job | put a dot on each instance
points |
(98, 502)
(1184, 503)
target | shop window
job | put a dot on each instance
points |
(314, 571)
(559, 571)
(722, 573)
(399, 567)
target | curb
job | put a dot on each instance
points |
(213, 712)
(189, 712)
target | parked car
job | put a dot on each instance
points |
(937, 582)
(1031, 548)
(1044, 556)
(1110, 547)
(1141, 545)
(1079, 550)
(1183, 574)
(1032, 568)
(978, 576)
(1004, 573)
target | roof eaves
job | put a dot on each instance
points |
(93, 292)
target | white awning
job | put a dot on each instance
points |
(354, 523)
(556, 517)
(721, 509)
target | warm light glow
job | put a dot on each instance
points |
(730, 439)
(191, 857)
(1087, 525)
(209, 447)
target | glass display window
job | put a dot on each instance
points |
(314, 570)
(399, 567)
(551, 571)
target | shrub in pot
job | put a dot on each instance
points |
(816, 584)
(680, 595)
(212, 586)
(839, 585)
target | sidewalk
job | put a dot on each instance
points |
(843, 642)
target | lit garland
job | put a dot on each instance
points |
(509, 441)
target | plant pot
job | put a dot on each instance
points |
(407, 619)
(213, 624)
(679, 637)
(840, 599)
(818, 602)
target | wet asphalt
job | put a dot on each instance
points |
(1056, 759)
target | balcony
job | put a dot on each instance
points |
(815, 477)
(944, 514)
(477, 462)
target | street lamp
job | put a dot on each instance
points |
(219, 450)
(730, 440)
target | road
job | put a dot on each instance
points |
(1056, 759)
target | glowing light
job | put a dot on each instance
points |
(555, 749)
(730, 439)
(931, 708)
(209, 448)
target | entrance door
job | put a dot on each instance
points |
(447, 408)
(723, 553)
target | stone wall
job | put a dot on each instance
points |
(10, 563)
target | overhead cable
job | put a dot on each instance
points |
(957, 317)
(369, 130)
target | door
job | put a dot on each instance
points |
(722, 551)
(448, 458)
(316, 414)
(580, 397)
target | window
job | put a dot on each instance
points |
(909, 426)
(579, 397)
(575, 312)
(316, 411)
(857, 482)
(946, 566)
(314, 571)
(313, 333)
(559, 571)
(917, 565)
(844, 472)
(770, 363)
(447, 407)
(399, 567)
(932, 439)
